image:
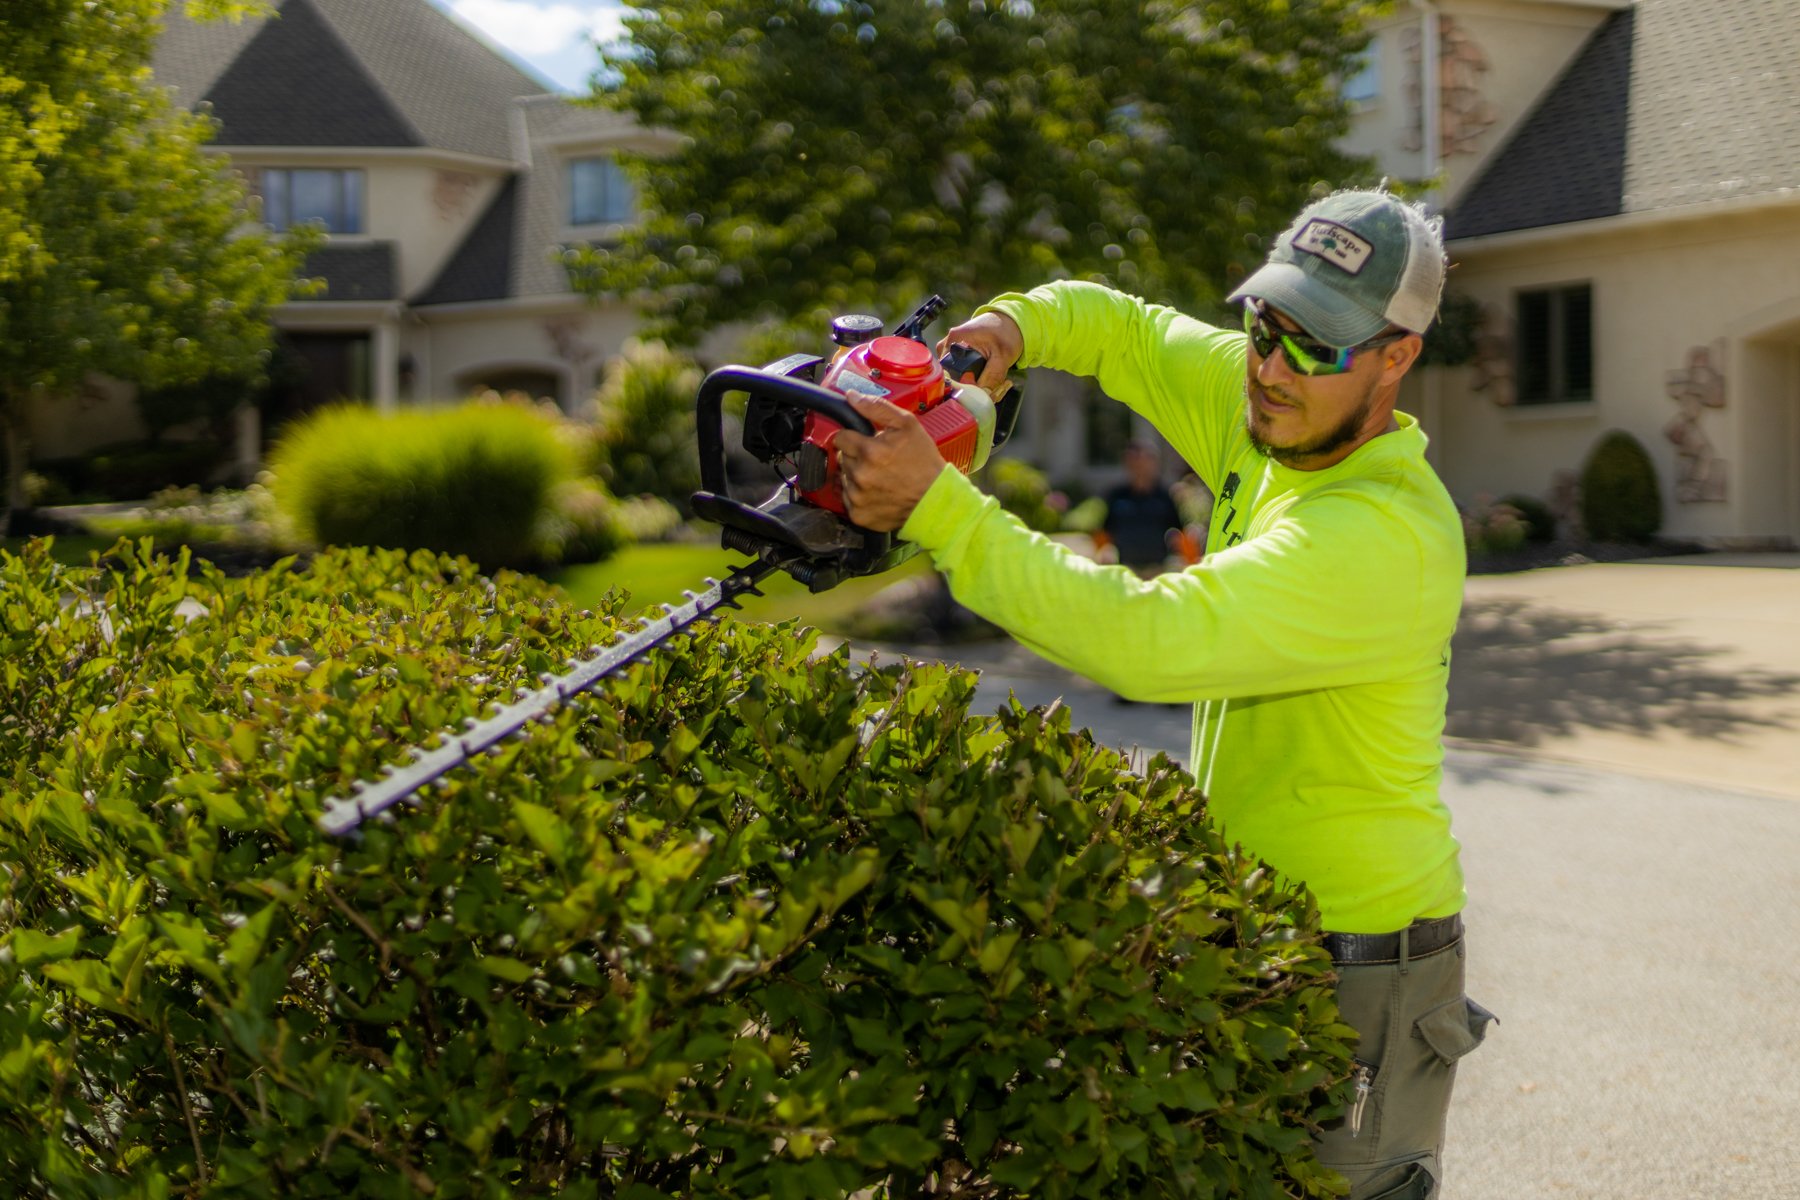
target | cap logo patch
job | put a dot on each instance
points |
(1333, 243)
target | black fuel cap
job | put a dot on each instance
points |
(855, 328)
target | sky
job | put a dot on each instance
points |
(553, 37)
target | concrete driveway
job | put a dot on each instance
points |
(1624, 769)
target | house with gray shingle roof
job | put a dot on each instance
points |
(1631, 237)
(449, 181)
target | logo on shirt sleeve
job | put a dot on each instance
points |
(1333, 243)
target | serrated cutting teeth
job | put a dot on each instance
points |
(630, 643)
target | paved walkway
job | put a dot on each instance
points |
(1625, 776)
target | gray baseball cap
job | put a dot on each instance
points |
(1351, 265)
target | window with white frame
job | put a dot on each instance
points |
(1555, 345)
(600, 193)
(331, 196)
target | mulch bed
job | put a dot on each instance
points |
(1533, 555)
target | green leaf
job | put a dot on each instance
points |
(546, 830)
(501, 967)
(30, 948)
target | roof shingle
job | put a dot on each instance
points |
(347, 73)
(1566, 161)
(354, 272)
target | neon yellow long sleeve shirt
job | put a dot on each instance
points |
(1313, 637)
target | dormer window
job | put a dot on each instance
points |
(295, 196)
(599, 192)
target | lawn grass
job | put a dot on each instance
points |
(657, 573)
(69, 549)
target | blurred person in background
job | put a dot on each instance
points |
(1141, 513)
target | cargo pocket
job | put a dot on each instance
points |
(1417, 1184)
(1454, 1029)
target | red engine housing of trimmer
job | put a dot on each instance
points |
(905, 373)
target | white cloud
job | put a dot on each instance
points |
(533, 28)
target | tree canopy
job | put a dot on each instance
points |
(837, 155)
(124, 248)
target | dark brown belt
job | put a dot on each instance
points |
(1422, 938)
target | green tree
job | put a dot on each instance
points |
(124, 249)
(838, 155)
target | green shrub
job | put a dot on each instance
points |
(645, 424)
(1087, 517)
(1540, 522)
(183, 516)
(1490, 527)
(1450, 341)
(751, 924)
(476, 480)
(581, 524)
(1022, 490)
(648, 518)
(1620, 501)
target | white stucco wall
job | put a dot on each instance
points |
(424, 203)
(569, 338)
(1496, 58)
(1661, 290)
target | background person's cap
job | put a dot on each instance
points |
(1351, 265)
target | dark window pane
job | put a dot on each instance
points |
(351, 217)
(275, 199)
(294, 196)
(1534, 375)
(599, 193)
(317, 196)
(1578, 343)
(620, 203)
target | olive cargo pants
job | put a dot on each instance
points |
(1415, 1023)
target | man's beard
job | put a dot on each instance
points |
(1346, 431)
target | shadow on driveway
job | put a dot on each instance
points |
(1521, 674)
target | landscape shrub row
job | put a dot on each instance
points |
(749, 922)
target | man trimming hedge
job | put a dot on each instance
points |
(1314, 636)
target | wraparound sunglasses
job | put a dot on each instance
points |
(1307, 355)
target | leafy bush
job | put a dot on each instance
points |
(645, 424)
(1620, 501)
(1450, 341)
(1540, 522)
(754, 924)
(476, 480)
(1022, 490)
(1089, 516)
(1490, 527)
(185, 516)
(581, 524)
(648, 518)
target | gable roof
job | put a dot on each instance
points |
(1566, 160)
(1669, 104)
(347, 73)
(481, 268)
(299, 55)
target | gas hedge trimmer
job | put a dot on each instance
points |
(794, 410)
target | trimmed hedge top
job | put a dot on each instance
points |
(751, 922)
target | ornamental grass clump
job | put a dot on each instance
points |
(749, 922)
(478, 480)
